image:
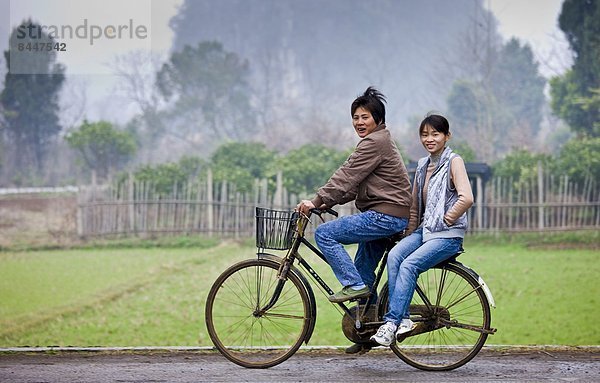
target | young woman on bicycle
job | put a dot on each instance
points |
(441, 197)
(374, 176)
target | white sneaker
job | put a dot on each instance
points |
(405, 326)
(385, 334)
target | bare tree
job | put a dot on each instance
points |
(137, 73)
(558, 59)
(73, 102)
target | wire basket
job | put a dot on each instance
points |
(275, 228)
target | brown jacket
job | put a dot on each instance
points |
(374, 176)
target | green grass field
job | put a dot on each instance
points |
(155, 296)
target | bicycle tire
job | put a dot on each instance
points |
(436, 344)
(242, 336)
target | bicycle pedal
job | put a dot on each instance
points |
(357, 324)
(358, 298)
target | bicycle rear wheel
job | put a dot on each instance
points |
(239, 327)
(453, 320)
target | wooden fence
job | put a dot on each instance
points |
(134, 208)
(541, 204)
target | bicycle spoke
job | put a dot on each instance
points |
(460, 299)
(441, 289)
(275, 315)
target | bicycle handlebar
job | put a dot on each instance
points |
(328, 210)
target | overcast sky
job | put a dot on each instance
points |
(533, 21)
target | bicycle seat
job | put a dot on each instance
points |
(452, 258)
(397, 237)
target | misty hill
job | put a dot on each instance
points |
(311, 58)
(4, 34)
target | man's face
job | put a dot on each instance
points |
(363, 122)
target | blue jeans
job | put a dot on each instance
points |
(369, 230)
(409, 258)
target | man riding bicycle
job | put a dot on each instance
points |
(375, 177)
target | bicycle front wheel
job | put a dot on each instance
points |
(453, 320)
(241, 325)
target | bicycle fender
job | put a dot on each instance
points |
(307, 287)
(487, 291)
(484, 286)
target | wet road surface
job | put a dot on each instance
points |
(306, 366)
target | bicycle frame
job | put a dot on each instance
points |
(292, 255)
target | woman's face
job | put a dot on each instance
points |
(432, 140)
(363, 122)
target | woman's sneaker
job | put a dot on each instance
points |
(385, 334)
(405, 326)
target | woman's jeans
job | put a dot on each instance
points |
(369, 230)
(409, 258)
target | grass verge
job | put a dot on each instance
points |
(155, 296)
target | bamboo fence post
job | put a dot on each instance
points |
(93, 200)
(513, 210)
(498, 199)
(171, 203)
(584, 210)
(586, 197)
(148, 207)
(209, 200)
(156, 209)
(278, 197)
(508, 193)
(237, 215)
(551, 199)
(222, 206)
(563, 221)
(114, 218)
(540, 196)
(79, 212)
(197, 212)
(186, 208)
(592, 198)
(478, 202)
(530, 200)
(256, 192)
(264, 198)
(130, 202)
(570, 206)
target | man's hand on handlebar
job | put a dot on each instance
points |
(304, 206)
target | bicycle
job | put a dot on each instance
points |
(259, 311)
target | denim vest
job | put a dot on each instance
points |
(441, 196)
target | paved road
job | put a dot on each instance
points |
(305, 366)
